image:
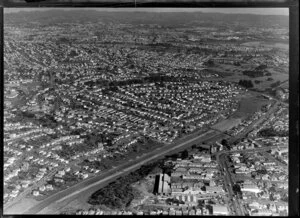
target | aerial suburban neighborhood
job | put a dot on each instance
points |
(175, 113)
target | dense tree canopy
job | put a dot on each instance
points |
(246, 83)
(120, 193)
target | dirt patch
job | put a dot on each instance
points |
(67, 206)
(20, 207)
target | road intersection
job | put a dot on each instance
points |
(94, 183)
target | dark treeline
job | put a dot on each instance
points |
(270, 132)
(253, 73)
(156, 78)
(246, 83)
(120, 193)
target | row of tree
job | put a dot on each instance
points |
(246, 83)
(270, 132)
(253, 73)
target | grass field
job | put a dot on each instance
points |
(227, 124)
(236, 75)
(266, 44)
(249, 104)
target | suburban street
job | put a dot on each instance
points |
(221, 159)
(229, 183)
(94, 183)
(146, 112)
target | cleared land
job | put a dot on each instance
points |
(22, 206)
(249, 104)
(227, 124)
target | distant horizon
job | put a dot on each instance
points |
(253, 11)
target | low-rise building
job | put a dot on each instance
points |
(219, 209)
(250, 188)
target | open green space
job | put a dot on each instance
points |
(280, 45)
(232, 73)
(249, 104)
(227, 124)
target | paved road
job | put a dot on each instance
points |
(271, 157)
(268, 155)
(237, 207)
(220, 156)
(228, 183)
(98, 181)
(28, 190)
(105, 178)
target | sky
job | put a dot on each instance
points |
(261, 11)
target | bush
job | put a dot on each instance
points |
(275, 84)
(246, 83)
(261, 67)
(257, 81)
(119, 194)
(270, 132)
(253, 74)
(185, 154)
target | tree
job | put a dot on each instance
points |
(185, 154)
(262, 171)
(210, 63)
(277, 83)
(253, 74)
(136, 148)
(285, 197)
(210, 201)
(236, 188)
(246, 83)
(272, 189)
(194, 146)
(261, 67)
(224, 142)
(257, 81)
(174, 156)
(168, 168)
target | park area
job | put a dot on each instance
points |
(227, 124)
(248, 104)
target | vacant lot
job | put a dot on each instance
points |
(21, 206)
(227, 124)
(249, 104)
